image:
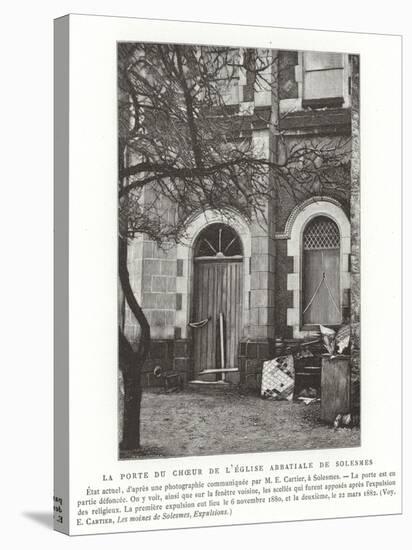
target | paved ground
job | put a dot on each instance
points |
(186, 423)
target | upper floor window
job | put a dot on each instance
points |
(323, 79)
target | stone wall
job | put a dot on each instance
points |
(159, 288)
(284, 297)
(173, 356)
(262, 285)
(288, 87)
(182, 359)
(252, 354)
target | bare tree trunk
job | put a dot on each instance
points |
(132, 394)
(131, 361)
(131, 414)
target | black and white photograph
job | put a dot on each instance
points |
(238, 250)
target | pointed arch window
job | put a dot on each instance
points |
(321, 302)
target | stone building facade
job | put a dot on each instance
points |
(267, 279)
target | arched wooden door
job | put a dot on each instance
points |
(218, 289)
(321, 273)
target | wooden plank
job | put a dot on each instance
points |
(335, 387)
(230, 312)
(212, 383)
(208, 350)
(219, 371)
(210, 292)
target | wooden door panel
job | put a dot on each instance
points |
(232, 311)
(205, 294)
(321, 289)
(217, 288)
